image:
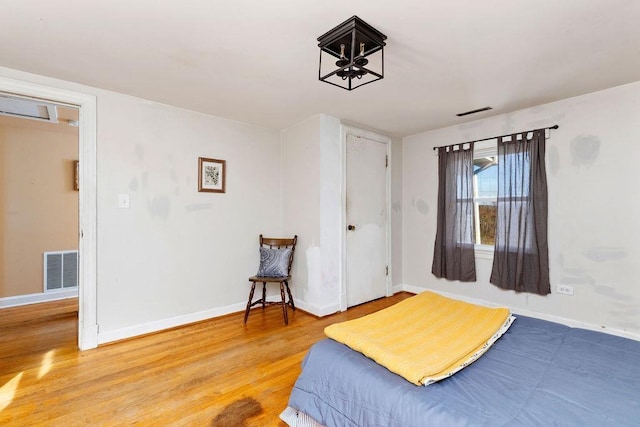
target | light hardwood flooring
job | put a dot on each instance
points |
(210, 373)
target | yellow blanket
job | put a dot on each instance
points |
(426, 337)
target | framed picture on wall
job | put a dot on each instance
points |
(76, 175)
(211, 175)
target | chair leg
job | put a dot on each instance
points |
(264, 294)
(293, 306)
(246, 312)
(284, 305)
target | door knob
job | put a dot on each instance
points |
(351, 227)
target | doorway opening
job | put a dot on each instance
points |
(85, 106)
(38, 201)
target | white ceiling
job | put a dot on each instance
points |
(256, 61)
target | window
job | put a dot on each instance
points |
(485, 196)
(494, 194)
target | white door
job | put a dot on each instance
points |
(366, 218)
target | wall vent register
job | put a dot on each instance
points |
(60, 270)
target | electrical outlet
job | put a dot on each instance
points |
(564, 289)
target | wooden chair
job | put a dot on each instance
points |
(269, 242)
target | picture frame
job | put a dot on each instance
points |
(76, 175)
(212, 175)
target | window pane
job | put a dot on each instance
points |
(487, 212)
(486, 173)
(485, 170)
(516, 172)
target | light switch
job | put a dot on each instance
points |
(123, 201)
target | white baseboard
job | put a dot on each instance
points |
(551, 318)
(88, 337)
(316, 310)
(412, 289)
(578, 324)
(158, 325)
(326, 310)
(36, 298)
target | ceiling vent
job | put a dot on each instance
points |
(479, 110)
(28, 109)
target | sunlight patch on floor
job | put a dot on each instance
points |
(47, 361)
(8, 391)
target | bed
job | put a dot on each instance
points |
(538, 373)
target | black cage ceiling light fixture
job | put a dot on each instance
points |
(359, 50)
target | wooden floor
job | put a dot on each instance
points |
(218, 372)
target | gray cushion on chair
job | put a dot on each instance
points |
(274, 262)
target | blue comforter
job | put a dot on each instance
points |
(538, 374)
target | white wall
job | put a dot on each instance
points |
(177, 251)
(331, 178)
(312, 162)
(176, 255)
(301, 206)
(311, 183)
(592, 170)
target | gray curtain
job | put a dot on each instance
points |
(521, 259)
(453, 253)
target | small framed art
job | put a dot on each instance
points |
(211, 175)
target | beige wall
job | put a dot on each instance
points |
(38, 205)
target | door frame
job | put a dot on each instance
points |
(349, 130)
(87, 202)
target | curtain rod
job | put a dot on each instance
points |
(495, 137)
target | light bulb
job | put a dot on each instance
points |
(343, 60)
(360, 60)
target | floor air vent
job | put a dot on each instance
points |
(60, 270)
